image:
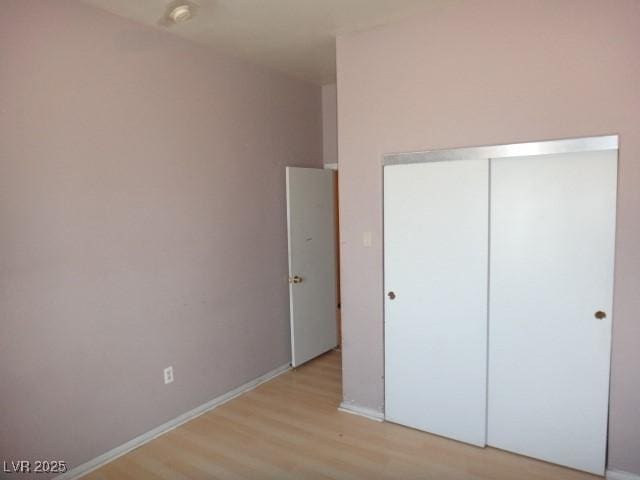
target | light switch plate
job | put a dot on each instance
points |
(367, 239)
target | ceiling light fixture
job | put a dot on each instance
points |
(180, 14)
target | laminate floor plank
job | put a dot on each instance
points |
(290, 428)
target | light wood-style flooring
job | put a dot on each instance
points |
(290, 428)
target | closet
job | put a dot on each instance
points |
(498, 273)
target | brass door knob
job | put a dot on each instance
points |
(600, 315)
(391, 295)
(295, 279)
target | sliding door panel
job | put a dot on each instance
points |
(551, 284)
(436, 261)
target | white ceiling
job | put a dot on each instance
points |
(293, 36)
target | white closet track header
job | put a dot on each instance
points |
(547, 147)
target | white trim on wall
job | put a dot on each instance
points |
(125, 448)
(620, 475)
(331, 166)
(365, 412)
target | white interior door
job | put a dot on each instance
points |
(552, 247)
(311, 224)
(436, 261)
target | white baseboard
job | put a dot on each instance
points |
(369, 413)
(111, 455)
(620, 475)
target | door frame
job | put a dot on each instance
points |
(543, 147)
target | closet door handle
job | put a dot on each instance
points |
(600, 315)
(391, 295)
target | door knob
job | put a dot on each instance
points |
(600, 315)
(295, 279)
(391, 295)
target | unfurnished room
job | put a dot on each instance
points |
(320, 239)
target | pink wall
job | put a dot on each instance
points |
(142, 224)
(329, 123)
(481, 73)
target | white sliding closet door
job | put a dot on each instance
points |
(552, 247)
(436, 260)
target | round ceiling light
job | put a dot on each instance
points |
(180, 14)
